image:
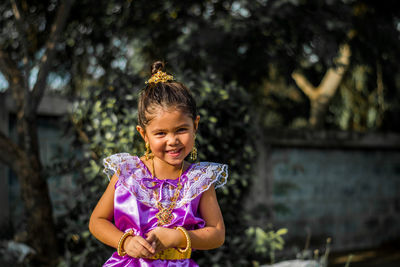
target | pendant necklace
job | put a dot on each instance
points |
(164, 214)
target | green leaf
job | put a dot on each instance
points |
(282, 231)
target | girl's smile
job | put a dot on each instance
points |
(174, 153)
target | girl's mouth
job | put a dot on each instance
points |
(175, 152)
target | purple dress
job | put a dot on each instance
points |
(135, 201)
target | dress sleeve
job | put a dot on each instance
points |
(200, 179)
(112, 163)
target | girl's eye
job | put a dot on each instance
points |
(181, 130)
(160, 133)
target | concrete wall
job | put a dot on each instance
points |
(349, 191)
(352, 196)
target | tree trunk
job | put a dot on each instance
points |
(24, 157)
(35, 195)
(321, 96)
(318, 108)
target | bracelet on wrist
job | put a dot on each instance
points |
(188, 240)
(120, 248)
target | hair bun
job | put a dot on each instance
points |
(156, 66)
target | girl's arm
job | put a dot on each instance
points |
(213, 234)
(101, 226)
(209, 237)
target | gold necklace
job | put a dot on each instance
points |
(154, 171)
(164, 214)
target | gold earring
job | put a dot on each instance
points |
(148, 155)
(193, 154)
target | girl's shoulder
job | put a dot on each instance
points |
(200, 177)
(207, 173)
(124, 164)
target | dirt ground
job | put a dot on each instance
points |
(384, 256)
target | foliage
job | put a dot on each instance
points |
(257, 44)
(370, 80)
(104, 120)
(266, 242)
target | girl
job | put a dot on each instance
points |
(162, 206)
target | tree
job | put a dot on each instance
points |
(321, 96)
(359, 27)
(23, 157)
(243, 40)
(41, 40)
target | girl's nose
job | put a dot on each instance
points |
(173, 140)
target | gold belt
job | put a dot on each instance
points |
(172, 254)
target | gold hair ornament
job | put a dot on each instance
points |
(160, 77)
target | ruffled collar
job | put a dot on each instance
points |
(134, 175)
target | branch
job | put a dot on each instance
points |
(334, 75)
(21, 26)
(47, 58)
(305, 85)
(9, 151)
(9, 69)
(14, 78)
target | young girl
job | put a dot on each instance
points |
(158, 207)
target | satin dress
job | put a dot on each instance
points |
(137, 193)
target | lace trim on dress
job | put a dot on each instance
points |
(200, 178)
(136, 178)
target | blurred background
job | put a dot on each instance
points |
(300, 97)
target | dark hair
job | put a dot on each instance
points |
(170, 94)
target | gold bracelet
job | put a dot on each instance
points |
(188, 240)
(121, 242)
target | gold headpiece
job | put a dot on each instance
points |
(160, 77)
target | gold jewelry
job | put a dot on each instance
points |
(188, 240)
(154, 170)
(164, 214)
(176, 253)
(171, 254)
(148, 154)
(193, 154)
(160, 77)
(120, 249)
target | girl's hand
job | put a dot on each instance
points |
(138, 247)
(163, 238)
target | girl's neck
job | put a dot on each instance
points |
(162, 170)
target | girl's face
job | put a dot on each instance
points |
(170, 134)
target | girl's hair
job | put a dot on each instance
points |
(167, 94)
